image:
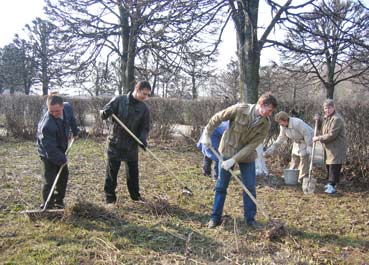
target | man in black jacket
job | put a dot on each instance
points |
(52, 142)
(134, 113)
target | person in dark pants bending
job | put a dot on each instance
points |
(52, 142)
(134, 113)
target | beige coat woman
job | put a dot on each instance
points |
(333, 139)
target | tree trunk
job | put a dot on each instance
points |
(330, 90)
(194, 89)
(248, 50)
(154, 84)
(124, 27)
(45, 88)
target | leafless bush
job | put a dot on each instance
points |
(81, 110)
(198, 113)
(357, 129)
(22, 114)
(95, 104)
(165, 113)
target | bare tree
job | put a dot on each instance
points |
(330, 42)
(55, 59)
(225, 85)
(98, 79)
(245, 17)
(196, 64)
(125, 29)
(285, 83)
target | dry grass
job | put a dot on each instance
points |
(171, 228)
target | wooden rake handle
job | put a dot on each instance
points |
(57, 178)
(151, 153)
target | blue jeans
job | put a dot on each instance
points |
(248, 178)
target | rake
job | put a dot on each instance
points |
(185, 189)
(37, 213)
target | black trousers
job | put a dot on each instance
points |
(49, 172)
(206, 166)
(112, 169)
(333, 173)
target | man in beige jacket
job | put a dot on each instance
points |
(248, 126)
(333, 139)
(301, 135)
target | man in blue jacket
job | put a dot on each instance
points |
(209, 157)
(52, 142)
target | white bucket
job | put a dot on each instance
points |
(291, 176)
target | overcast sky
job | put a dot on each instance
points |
(14, 14)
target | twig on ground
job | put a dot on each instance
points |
(235, 229)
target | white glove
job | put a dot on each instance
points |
(206, 141)
(228, 164)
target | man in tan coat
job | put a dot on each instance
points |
(248, 126)
(301, 135)
(333, 139)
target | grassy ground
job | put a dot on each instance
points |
(171, 228)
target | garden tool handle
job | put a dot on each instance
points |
(148, 150)
(127, 130)
(57, 177)
(313, 152)
(261, 208)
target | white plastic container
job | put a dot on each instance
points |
(291, 176)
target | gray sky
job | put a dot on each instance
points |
(14, 14)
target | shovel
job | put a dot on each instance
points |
(277, 228)
(308, 187)
(185, 189)
(33, 214)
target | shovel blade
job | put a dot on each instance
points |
(308, 187)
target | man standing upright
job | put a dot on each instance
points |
(134, 113)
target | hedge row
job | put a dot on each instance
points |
(20, 115)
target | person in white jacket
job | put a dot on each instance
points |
(301, 134)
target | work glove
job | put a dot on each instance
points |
(206, 141)
(144, 144)
(228, 164)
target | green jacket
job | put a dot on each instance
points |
(241, 139)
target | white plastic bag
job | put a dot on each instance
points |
(261, 168)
